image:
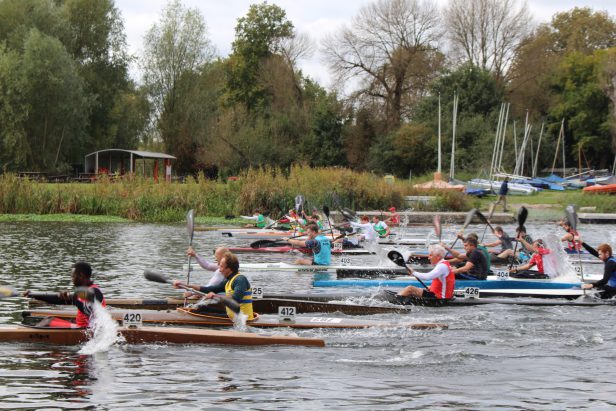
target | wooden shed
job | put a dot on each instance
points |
(121, 162)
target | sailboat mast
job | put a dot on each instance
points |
(439, 134)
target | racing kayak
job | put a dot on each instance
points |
(149, 335)
(391, 297)
(266, 305)
(288, 248)
(183, 316)
(349, 270)
(491, 283)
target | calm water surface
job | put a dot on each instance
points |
(491, 357)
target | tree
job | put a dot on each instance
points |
(486, 33)
(579, 98)
(264, 32)
(583, 30)
(391, 47)
(57, 106)
(174, 51)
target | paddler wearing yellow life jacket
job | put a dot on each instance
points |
(235, 285)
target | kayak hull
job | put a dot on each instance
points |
(185, 317)
(460, 284)
(150, 335)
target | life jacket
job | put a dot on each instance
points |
(83, 317)
(573, 245)
(260, 221)
(245, 304)
(436, 287)
(323, 257)
(612, 281)
(380, 228)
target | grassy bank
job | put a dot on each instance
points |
(267, 189)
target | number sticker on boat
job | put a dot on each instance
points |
(257, 292)
(132, 319)
(325, 320)
(578, 269)
(502, 275)
(345, 261)
(286, 314)
(338, 247)
(471, 292)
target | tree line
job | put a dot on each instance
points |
(65, 89)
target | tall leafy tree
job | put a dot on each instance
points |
(175, 49)
(260, 34)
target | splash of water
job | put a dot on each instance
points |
(104, 331)
(557, 264)
(239, 322)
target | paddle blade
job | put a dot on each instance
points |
(6, 292)
(267, 243)
(522, 215)
(156, 276)
(397, 258)
(230, 303)
(480, 215)
(326, 211)
(298, 202)
(469, 217)
(190, 223)
(572, 217)
(336, 200)
(437, 226)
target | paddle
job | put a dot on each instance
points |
(522, 215)
(329, 223)
(398, 259)
(7, 292)
(159, 277)
(485, 221)
(572, 219)
(190, 229)
(467, 221)
(492, 209)
(437, 226)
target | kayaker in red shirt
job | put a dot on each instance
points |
(81, 274)
(523, 271)
(442, 277)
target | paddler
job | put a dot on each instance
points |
(539, 251)
(258, 218)
(235, 285)
(319, 244)
(81, 274)
(442, 277)
(571, 237)
(380, 227)
(394, 218)
(217, 278)
(607, 284)
(504, 241)
(476, 266)
(368, 233)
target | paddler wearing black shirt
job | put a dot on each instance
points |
(476, 268)
(81, 275)
(608, 283)
(235, 285)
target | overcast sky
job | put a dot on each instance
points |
(314, 17)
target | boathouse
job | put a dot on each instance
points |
(120, 162)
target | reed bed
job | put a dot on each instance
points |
(266, 189)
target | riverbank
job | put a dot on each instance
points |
(269, 190)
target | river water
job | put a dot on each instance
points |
(498, 356)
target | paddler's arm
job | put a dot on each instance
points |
(453, 252)
(253, 218)
(465, 268)
(439, 271)
(206, 265)
(590, 249)
(298, 243)
(50, 298)
(610, 267)
(494, 244)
